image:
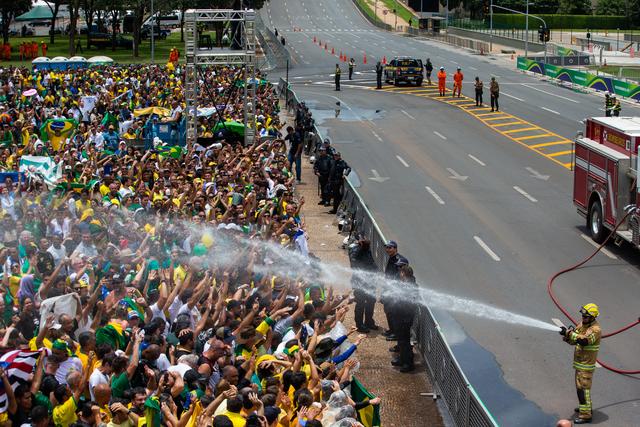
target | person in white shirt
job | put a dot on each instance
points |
(101, 374)
(86, 247)
(57, 250)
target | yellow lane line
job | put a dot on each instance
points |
(542, 135)
(490, 114)
(548, 144)
(506, 124)
(504, 116)
(521, 130)
(559, 153)
(507, 133)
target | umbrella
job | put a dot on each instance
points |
(232, 126)
(29, 92)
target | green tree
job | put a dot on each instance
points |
(54, 7)
(74, 12)
(8, 11)
(611, 7)
(574, 7)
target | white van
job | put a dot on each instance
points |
(166, 20)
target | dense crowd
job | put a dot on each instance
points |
(159, 284)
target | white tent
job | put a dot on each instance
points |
(99, 60)
(41, 60)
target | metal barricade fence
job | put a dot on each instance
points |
(448, 381)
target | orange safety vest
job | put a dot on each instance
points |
(442, 76)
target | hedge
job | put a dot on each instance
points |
(594, 22)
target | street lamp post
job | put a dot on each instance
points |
(526, 30)
(491, 27)
(153, 28)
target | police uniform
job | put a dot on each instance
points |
(338, 72)
(379, 69)
(608, 105)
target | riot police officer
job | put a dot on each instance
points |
(338, 73)
(379, 69)
(339, 169)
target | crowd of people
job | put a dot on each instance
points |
(160, 285)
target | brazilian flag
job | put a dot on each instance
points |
(369, 416)
(57, 131)
(152, 411)
(174, 151)
(110, 119)
(132, 305)
(113, 335)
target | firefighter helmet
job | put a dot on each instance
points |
(590, 309)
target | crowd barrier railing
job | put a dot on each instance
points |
(448, 380)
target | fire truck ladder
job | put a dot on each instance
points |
(197, 57)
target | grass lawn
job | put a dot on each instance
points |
(402, 11)
(632, 73)
(120, 55)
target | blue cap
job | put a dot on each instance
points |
(391, 244)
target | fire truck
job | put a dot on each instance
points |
(605, 179)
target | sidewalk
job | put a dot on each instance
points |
(389, 18)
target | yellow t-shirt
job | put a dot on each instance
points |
(236, 419)
(32, 343)
(64, 415)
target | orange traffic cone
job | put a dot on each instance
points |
(384, 60)
(364, 60)
(333, 52)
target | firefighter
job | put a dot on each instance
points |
(44, 48)
(379, 69)
(607, 105)
(617, 107)
(457, 82)
(586, 337)
(6, 53)
(428, 68)
(442, 81)
(338, 73)
(352, 64)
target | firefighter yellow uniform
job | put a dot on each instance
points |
(586, 338)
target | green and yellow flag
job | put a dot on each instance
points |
(152, 411)
(369, 416)
(113, 335)
(173, 151)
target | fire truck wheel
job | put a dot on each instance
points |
(594, 223)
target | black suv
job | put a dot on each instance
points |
(404, 69)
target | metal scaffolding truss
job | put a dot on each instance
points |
(200, 57)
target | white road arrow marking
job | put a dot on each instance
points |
(376, 176)
(456, 175)
(534, 173)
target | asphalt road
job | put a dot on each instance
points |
(478, 215)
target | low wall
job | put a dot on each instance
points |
(486, 37)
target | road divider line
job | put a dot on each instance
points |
(435, 195)
(525, 194)
(511, 96)
(486, 248)
(408, 115)
(552, 94)
(439, 134)
(550, 110)
(376, 135)
(605, 251)
(477, 160)
(403, 161)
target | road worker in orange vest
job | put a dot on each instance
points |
(457, 82)
(442, 81)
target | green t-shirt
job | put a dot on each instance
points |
(119, 384)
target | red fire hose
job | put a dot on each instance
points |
(566, 313)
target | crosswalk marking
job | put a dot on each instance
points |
(517, 129)
(549, 144)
